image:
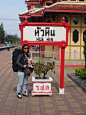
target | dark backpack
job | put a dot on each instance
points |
(15, 55)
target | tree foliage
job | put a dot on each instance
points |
(12, 38)
(8, 38)
(85, 49)
(2, 33)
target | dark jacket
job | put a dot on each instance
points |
(21, 61)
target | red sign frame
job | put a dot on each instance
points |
(62, 44)
(62, 24)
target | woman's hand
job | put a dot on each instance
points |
(29, 63)
(25, 66)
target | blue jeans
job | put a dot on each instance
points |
(22, 81)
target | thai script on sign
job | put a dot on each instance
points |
(47, 32)
(42, 87)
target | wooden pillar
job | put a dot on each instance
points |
(61, 89)
(57, 45)
(57, 52)
(32, 50)
(57, 17)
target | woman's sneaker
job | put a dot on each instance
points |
(26, 94)
(19, 95)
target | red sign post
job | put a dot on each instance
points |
(47, 34)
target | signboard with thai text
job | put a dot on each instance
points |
(40, 33)
(42, 87)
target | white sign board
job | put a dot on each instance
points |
(44, 33)
(44, 87)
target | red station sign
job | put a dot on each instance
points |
(34, 33)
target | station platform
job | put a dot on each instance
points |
(72, 102)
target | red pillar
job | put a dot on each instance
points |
(31, 6)
(43, 4)
(61, 89)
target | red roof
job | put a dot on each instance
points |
(60, 7)
(69, 6)
(27, 13)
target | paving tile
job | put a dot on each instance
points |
(6, 108)
(21, 105)
(58, 98)
(35, 113)
(48, 105)
(71, 100)
(62, 107)
(34, 103)
(74, 105)
(84, 102)
(10, 98)
(49, 111)
(35, 108)
(4, 113)
(8, 103)
(65, 113)
(60, 102)
(79, 110)
(0, 100)
(81, 98)
(34, 98)
(68, 96)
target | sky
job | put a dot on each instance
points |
(9, 9)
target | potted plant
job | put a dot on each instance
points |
(42, 84)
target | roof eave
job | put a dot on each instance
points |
(29, 2)
(62, 10)
(36, 15)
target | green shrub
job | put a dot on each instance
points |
(81, 72)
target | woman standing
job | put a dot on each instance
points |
(22, 63)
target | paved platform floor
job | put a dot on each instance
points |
(73, 102)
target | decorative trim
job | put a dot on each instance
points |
(35, 15)
(24, 16)
(32, 2)
(62, 10)
(71, 65)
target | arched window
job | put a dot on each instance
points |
(29, 19)
(75, 35)
(84, 33)
(84, 20)
(66, 19)
(22, 19)
(49, 21)
(75, 20)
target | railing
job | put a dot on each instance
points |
(70, 57)
(4, 48)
